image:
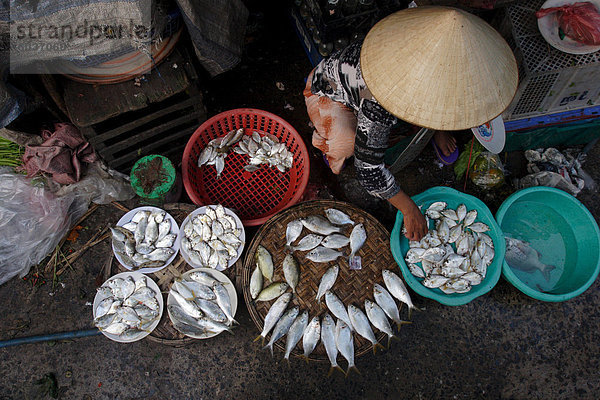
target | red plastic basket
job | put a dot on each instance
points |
(255, 196)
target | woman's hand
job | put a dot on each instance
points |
(414, 221)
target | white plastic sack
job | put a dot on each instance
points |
(33, 219)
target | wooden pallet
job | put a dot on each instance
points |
(124, 122)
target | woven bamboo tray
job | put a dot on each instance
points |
(165, 333)
(351, 286)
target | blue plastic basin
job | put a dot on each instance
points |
(564, 233)
(399, 245)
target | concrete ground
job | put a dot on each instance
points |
(501, 345)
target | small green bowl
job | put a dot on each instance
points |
(564, 233)
(399, 245)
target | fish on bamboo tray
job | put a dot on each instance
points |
(299, 263)
(165, 332)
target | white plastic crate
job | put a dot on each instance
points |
(550, 81)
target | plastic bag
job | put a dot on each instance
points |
(33, 219)
(579, 21)
(32, 222)
(487, 171)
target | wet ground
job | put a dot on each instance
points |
(501, 345)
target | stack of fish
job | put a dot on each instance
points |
(128, 307)
(265, 149)
(217, 149)
(212, 238)
(146, 241)
(325, 240)
(201, 305)
(453, 257)
(337, 337)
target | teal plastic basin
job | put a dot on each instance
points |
(564, 233)
(399, 245)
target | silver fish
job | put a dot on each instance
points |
(282, 327)
(183, 290)
(104, 306)
(161, 254)
(293, 231)
(416, 270)
(319, 225)
(140, 230)
(167, 241)
(437, 206)
(479, 227)
(328, 339)
(470, 218)
(164, 228)
(273, 314)
(308, 242)
(414, 255)
(338, 217)
(256, 283)
(219, 165)
(199, 290)
(335, 241)
(264, 260)
(361, 325)
(461, 212)
(189, 307)
(202, 277)
(128, 316)
(311, 337)
(130, 226)
(345, 343)
(291, 271)
(224, 301)
(435, 281)
(211, 310)
(397, 289)
(337, 307)
(520, 255)
(295, 333)
(121, 234)
(206, 155)
(178, 314)
(455, 233)
(385, 300)
(323, 254)
(378, 318)
(104, 321)
(127, 287)
(116, 328)
(144, 214)
(151, 231)
(275, 289)
(451, 214)
(327, 281)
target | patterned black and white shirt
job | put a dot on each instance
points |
(339, 77)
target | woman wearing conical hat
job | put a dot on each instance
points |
(436, 67)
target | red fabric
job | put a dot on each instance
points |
(61, 154)
(579, 21)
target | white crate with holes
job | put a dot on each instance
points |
(551, 81)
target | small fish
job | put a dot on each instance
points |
(264, 260)
(274, 314)
(166, 241)
(121, 234)
(520, 255)
(104, 307)
(437, 206)
(328, 339)
(206, 155)
(311, 337)
(435, 281)
(416, 270)
(479, 227)
(140, 231)
(357, 239)
(282, 327)
(450, 214)
(275, 289)
(335, 241)
(293, 231)
(327, 281)
(178, 314)
(295, 333)
(414, 255)
(337, 307)
(470, 218)
(461, 212)
(345, 344)
(104, 321)
(378, 318)
(144, 214)
(151, 233)
(183, 290)
(224, 301)
(361, 325)
(256, 283)
(397, 289)
(116, 328)
(323, 254)
(319, 225)
(455, 233)
(160, 254)
(199, 290)
(308, 242)
(189, 307)
(291, 271)
(211, 310)
(338, 217)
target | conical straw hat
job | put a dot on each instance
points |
(439, 68)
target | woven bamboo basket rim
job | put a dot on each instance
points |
(165, 333)
(351, 286)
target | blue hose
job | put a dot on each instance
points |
(53, 336)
